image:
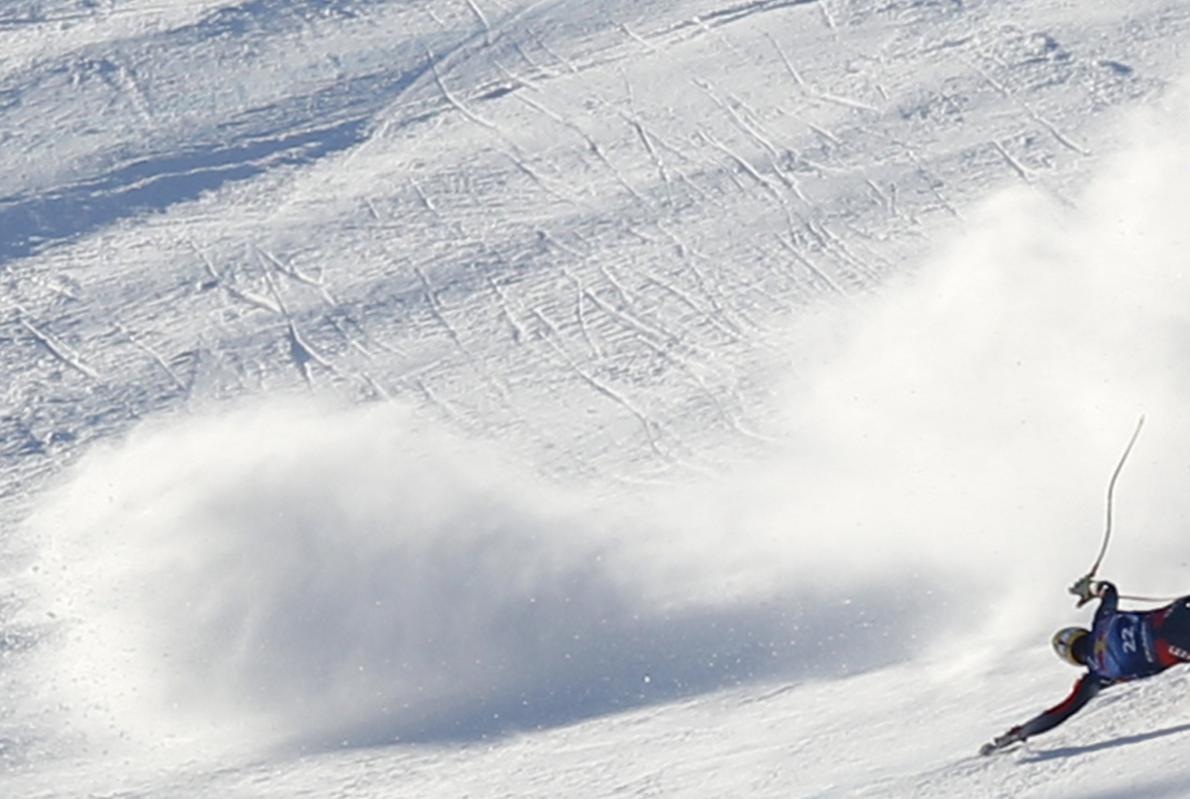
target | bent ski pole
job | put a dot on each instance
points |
(1082, 586)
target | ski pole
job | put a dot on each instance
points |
(1082, 586)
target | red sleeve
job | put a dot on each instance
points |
(1084, 690)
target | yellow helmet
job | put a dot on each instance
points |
(1064, 641)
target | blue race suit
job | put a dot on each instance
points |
(1122, 645)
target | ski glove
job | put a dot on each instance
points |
(1001, 741)
(1084, 589)
(1087, 589)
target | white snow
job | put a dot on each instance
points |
(509, 398)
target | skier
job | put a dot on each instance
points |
(1120, 646)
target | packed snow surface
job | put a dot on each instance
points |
(557, 398)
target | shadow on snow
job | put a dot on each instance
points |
(1111, 743)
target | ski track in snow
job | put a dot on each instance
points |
(603, 240)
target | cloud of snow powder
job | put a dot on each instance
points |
(291, 573)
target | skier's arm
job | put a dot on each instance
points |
(1109, 599)
(1084, 690)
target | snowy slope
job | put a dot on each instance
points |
(552, 398)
